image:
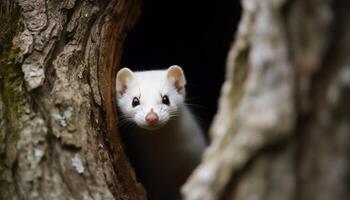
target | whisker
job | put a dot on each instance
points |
(191, 98)
(125, 123)
(173, 113)
(196, 106)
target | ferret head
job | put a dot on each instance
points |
(150, 98)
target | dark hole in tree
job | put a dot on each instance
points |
(194, 34)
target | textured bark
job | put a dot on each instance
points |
(282, 129)
(58, 134)
(281, 132)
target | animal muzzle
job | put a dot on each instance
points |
(152, 118)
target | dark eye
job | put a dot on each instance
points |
(165, 100)
(135, 102)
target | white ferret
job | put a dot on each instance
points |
(167, 143)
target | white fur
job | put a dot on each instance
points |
(149, 86)
(166, 153)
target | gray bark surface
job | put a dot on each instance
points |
(58, 126)
(282, 130)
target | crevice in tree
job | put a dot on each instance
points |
(124, 13)
(14, 175)
(197, 42)
(60, 43)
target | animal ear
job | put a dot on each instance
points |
(177, 77)
(123, 77)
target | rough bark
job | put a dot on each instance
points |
(281, 132)
(58, 134)
(282, 129)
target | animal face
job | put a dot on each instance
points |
(150, 98)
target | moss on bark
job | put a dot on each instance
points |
(11, 93)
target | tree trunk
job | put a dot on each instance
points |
(58, 130)
(282, 130)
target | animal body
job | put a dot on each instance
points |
(167, 143)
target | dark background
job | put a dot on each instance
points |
(195, 34)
